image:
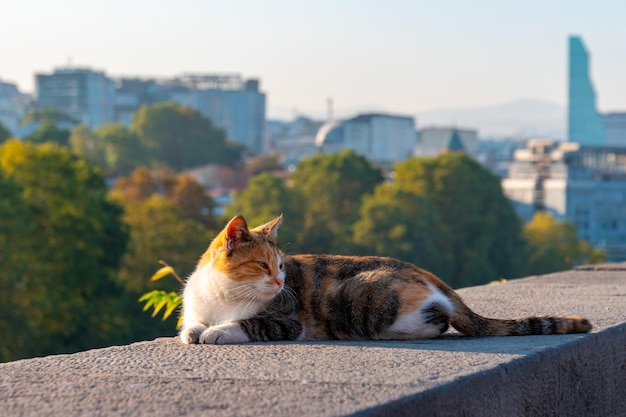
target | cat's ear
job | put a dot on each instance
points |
(270, 228)
(236, 232)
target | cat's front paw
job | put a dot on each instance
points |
(224, 334)
(191, 334)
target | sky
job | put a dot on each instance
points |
(395, 55)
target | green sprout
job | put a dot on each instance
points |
(159, 299)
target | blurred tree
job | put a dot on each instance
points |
(170, 218)
(70, 301)
(264, 163)
(159, 230)
(483, 233)
(85, 143)
(4, 133)
(182, 138)
(123, 150)
(139, 185)
(47, 131)
(328, 190)
(117, 150)
(18, 249)
(193, 201)
(47, 114)
(403, 225)
(555, 246)
(266, 197)
(181, 189)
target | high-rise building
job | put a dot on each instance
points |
(13, 106)
(615, 128)
(294, 140)
(132, 93)
(227, 100)
(584, 123)
(232, 103)
(381, 138)
(582, 184)
(87, 96)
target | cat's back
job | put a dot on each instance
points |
(342, 267)
(318, 275)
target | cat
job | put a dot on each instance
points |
(245, 289)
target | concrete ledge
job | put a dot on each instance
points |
(570, 375)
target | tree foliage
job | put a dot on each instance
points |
(4, 133)
(321, 203)
(18, 249)
(264, 163)
(555, 246)
(180, 189)
(164, 134)
(402, 225)
(329, 189)
(265, 197)
(114, 148)
(47, 114)
(48, 131)
(159, 230)
(182, 138)
(69, 300)
(482, 232)
(170, 217)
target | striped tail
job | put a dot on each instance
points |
(472, 324)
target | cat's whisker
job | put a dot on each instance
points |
(247, 303)
(289, 293)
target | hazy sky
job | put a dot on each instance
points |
(398, 56)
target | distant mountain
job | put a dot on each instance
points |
(515, 119)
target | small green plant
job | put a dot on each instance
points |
(158, 299)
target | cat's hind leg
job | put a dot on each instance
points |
(429, 319)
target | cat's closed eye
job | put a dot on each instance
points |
(264, 266)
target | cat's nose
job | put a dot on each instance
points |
(279, 281)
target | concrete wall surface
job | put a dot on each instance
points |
(561, 375)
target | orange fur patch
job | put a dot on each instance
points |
(411, 296)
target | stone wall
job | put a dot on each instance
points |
(562, 375)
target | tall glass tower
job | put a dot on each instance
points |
(584, 123)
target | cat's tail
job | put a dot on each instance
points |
(471, 324)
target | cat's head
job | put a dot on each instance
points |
(249, 258)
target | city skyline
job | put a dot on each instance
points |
(407, 57)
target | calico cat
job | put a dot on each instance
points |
(245, 289)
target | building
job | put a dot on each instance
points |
(583, 184)
(381, 138)
(13, 106)
(294, 140)
(584, 123)
(434, 140)
(496, 154)
(85, 95)
(232, 103)
(615, 128)
(455, 144)
(132, 93)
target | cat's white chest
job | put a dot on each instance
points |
(208, 299)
